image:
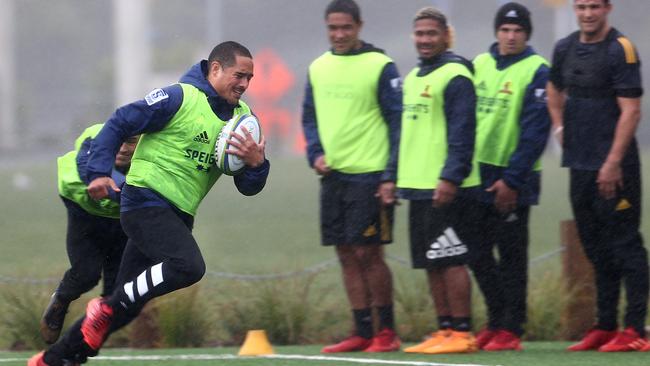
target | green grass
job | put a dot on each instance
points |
(534, 354)
(274, 232)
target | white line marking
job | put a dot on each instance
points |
(204, 357)
(365, 360)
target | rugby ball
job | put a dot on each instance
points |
(231, 164)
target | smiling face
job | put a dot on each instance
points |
(511, 39)
(430, 37)
(124, 155)
(343, 32)
(592, 17)
(230, 82)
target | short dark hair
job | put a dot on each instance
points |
(226, 52)
(344, 6)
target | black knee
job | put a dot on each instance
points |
(188, 272)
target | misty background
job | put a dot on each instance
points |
(68, 63)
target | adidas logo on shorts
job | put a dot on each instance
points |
(446, 245)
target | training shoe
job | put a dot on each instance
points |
(484, 336)
(52, 319)
(436, 338)
(646, 348)
(353, 343)
(456, 342)
(385, 341)
(626, 341)
(504, 340)
(593, 340)
(37, 360)
(97, 323)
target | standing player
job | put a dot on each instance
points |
(171, 172)
(351, 115)
(95, 239)
(512, 130)
(594, 99)
(435, 160)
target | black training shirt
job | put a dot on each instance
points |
(594, 75)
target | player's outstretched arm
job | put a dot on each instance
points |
(100, 187)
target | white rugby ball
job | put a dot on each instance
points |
(231, 164)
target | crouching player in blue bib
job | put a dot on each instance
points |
(95, 239)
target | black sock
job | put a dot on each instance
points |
(640, 330)
(386, 316)
(444, 322)
(363, 322)
(463, 324)
(608, 326)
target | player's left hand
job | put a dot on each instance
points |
(505, 198)
(386, 194)
(247, 149)
(610, 178)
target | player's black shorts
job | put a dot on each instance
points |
(442, 237)
(350, 214)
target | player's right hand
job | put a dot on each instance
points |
(444, 193)
(99, 187)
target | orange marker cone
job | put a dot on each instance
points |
(256, 344)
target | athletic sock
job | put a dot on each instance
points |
(607, 326)
(386, 316)
(444, 322)
(461, 324)
(363, 322)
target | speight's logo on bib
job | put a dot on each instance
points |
(446, 245)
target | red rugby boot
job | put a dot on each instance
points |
(626, 341)
(353, 343)
(504, 340)
(484, 336)
(97, 323)
(385, 341)
(593, 340)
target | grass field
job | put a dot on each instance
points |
(534, 354)
(275, 231)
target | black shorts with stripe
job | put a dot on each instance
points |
(442, 237)
(350, 214)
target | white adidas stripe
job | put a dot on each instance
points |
(128, 288)
(143, 288)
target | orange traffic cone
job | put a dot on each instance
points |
(256, 344)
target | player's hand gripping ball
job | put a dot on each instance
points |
(231, 164)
